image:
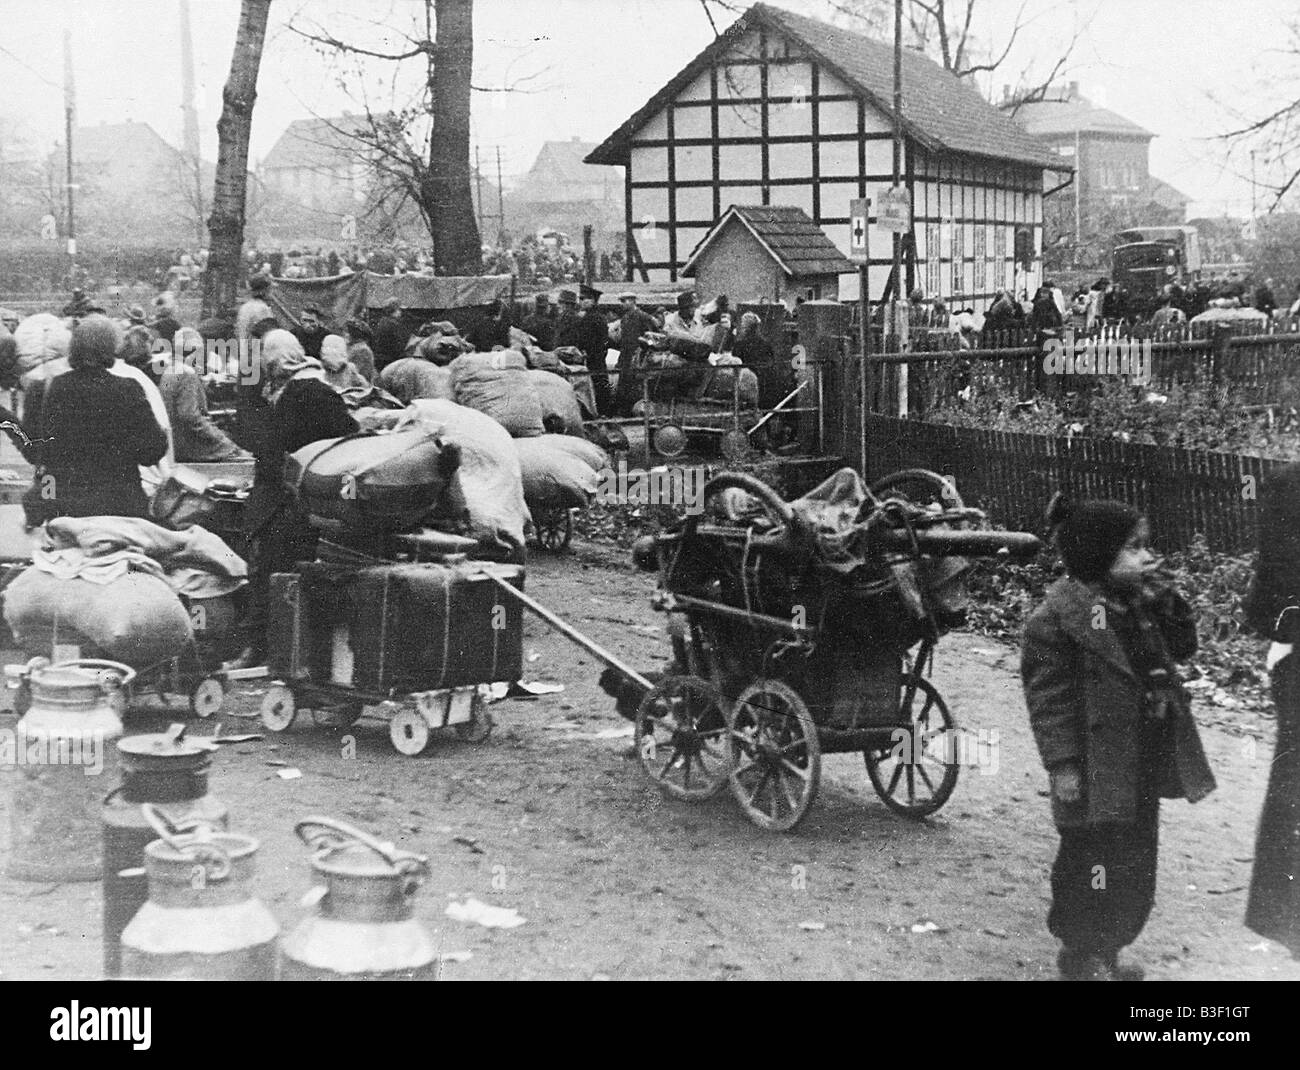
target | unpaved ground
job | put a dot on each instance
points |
(617, 882)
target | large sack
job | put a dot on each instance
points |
(40, 339)
(485, 498)
(497, 385)
(553, 478)
(390, 478)
(720, 386)
(588, 452)
(137, 619)
(557, 398)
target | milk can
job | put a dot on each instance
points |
(201, 921)
(172, 773)
(64, 752)
(363, 929)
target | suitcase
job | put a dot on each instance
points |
(396, 628)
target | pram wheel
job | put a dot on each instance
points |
(915, 774)
(207, 697)
(409, 731)
(679, 738)
(774, 754)
(554, 528)
(278, 708)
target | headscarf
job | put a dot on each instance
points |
(283, 360)
(333, 352)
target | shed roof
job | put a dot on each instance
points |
(798, 245)
(940, 111)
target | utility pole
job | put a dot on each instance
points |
(501, 203)
(478, 186)
(898, 139)
(69, 109)
(1253, 210)
(190, 119)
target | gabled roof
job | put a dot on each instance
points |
(940, 111)
(560, 175)
(798, 245)
(316, 143)
(564, 161)
(105, 142)
(1044, 118)
(1164, 194)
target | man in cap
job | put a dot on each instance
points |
(311, 331)
(633, 323)
(593, 339)
(687, 335)
(391, 335)
(540, 323)
(568, 320)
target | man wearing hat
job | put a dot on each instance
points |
(540, 323)
(631, 326)
(391, 335)
(592, 337)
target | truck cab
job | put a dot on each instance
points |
(1146, 259)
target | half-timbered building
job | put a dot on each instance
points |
(786, 110)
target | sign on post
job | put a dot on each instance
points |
(859, 211)
(895, 210)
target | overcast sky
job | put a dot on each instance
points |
(1180, 68)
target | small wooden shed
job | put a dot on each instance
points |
(772, 252)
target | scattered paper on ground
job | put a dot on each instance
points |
(812, 926)
(489, 917)
(288, 774)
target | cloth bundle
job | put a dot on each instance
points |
(497, 385)
(557, 475)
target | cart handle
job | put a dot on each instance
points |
(776, 508)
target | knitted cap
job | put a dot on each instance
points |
(1091, 534)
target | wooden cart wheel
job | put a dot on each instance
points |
(207, 697)
(669, 440)
(278, 708)
(554, 528)
(774, 753)
(916, 772)
(409, 731)
(338, 717)
(680, 738)
(919, 486)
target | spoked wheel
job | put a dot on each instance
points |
(338, 717)
(554, 528)
(919, 486)
(679, 737)
(774, 753)
(915, 773)
(278, 708)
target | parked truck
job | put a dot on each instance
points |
(1146, 259)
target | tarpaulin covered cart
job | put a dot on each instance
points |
(807, 628)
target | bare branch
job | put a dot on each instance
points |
(422, 47)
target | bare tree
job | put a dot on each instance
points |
(944, 31)
(230, 190)
(1274, 136)
(431, 167)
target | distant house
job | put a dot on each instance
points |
(1108, 152)
(786, 110)
(135, 189)
(767, 251)
(562, 192)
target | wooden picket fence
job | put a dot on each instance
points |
(1012, 475)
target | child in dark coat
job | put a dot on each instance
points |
(1113, 727)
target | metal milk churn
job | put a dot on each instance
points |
(364, 929)
(201, 921)
(64, 752)
(172, 773)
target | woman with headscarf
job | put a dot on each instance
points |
(359, 351)
(303, 409)
(98, 429)
(340, 373)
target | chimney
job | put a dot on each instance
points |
(1074, 91)
(1006, 94)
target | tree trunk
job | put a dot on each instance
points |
(226, 223)
(456, 243)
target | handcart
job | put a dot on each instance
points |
(785, 653)
(335, 702)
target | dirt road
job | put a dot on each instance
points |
(616, 881)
